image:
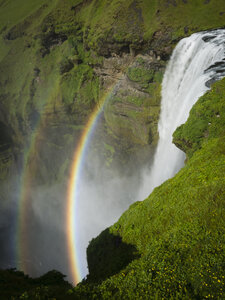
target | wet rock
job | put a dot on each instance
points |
(50, 39)
(186, 29)
(220, 65)
(208, 38)
(161, 43)
(210, 82)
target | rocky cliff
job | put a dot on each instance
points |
(57, 58)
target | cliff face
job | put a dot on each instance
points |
(57, 58)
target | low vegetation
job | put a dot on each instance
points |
(179, 230)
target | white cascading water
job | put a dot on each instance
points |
(196, 62)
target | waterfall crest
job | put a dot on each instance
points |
(196, 62)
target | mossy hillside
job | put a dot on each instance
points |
(118, 154)
(106, 22)
(45, 66)
(104, 257)
(13, 13)
(55, 46)
(181, 17)
(191, 16)
(70, 19)
(179, 229)
(133, 110)
(44, 74)
(130, 24)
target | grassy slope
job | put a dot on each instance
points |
(179, 230)
(107, 20)
(27, 49)
(141, 111)
(43, 71)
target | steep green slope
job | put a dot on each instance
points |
(111, 25)
(179, 230)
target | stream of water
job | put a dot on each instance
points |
(196, 62)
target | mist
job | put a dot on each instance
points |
(43, 242)
(105, 192)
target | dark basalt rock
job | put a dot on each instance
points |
(50, 39)
(220, 65)
(208, 38)
(219, 71)
(161, 43)
(210, 82)
(186, 29)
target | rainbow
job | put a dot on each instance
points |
(21, 251)
(72, 193)
(26, 182)
(74, 186)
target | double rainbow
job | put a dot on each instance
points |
(72, 194)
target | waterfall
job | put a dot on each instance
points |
(196, 62)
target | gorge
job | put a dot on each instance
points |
(85, 138)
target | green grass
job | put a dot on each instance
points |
(135, 117)
(140, 75)
(179, 229)
(23, 91)
(194, 14)
(13, 12)
(207, 120)
(173, 18)
(124, 22)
